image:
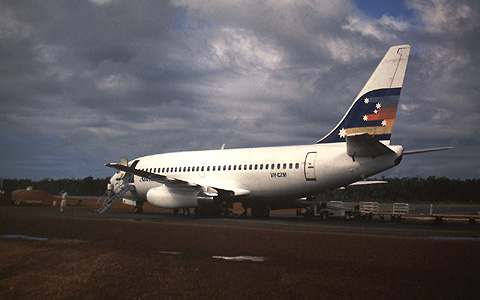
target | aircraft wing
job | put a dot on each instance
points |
(152, 176)
(363, 145)
(223, 187)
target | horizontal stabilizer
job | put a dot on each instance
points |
(368, 182)
(364, 145)
(426, 150)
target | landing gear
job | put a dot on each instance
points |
(138, 209)
(184, 212)
(245, 209)
(260, 211)
(209, 211)
(324, 216)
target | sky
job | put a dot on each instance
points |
(83, 83)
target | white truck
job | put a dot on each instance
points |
(326, 210)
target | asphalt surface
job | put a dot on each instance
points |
(120, 255)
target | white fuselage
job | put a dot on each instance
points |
(358, 147)
(268, 173)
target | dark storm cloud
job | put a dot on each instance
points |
(85, 82)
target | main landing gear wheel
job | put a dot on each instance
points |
(323, 216)
(348, 216)
(184, 212)
(260, 211)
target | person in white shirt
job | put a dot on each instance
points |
(63, 204)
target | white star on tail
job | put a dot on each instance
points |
(384, 123)
(379, 105)
(342, 133)
(365, 118)
(366, 100)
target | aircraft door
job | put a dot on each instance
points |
(310, 166)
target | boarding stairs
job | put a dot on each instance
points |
(110, 197)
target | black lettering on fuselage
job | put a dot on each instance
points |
(278, 174)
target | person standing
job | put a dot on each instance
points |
(63, 204)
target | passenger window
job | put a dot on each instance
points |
(250, 167)
(225, 167)
(188, 169)
(278, 166)
(163, 170)
(284, 166)
(239, 167)
(266, 166)
(230, 167)
(208, 168)
(290, 166)
(198, 169)
(297, 165)
(213, 168)
(234, 167)
(202, 169)
(261, 166)
(245, 167)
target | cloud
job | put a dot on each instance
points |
(442, 16)
(84, 82)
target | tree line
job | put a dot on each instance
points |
(411, 190)
(87, 186)
(407, 189)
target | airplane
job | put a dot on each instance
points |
(267, 178)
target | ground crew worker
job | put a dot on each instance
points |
(63, 204)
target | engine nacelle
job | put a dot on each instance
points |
(173, 197)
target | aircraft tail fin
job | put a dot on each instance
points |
(375, 107)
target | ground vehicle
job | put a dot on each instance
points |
(326, 210)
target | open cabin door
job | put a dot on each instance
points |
(310, 166)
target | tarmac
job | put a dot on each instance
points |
(79, 254)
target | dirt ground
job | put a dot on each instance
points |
(82, 255)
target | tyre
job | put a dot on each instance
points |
(260, 211)
(348, 216)
(324, 216)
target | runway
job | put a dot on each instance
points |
(83, 255)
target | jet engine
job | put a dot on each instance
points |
(176, 197)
